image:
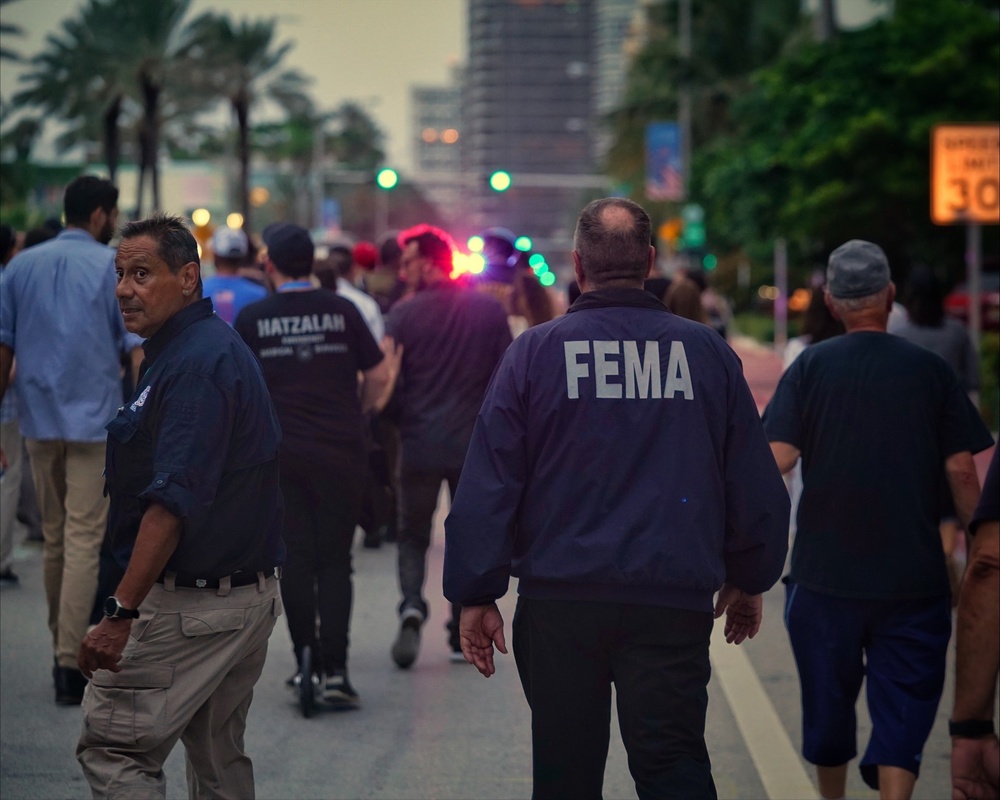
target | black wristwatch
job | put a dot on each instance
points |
(115, 610)
(971, 728)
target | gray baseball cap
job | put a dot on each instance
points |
(857, 269)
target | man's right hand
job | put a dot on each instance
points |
(480, 627)
(744, 613)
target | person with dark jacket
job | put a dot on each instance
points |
(195, 516)
(618, 468)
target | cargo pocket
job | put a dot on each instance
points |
(128, 707)
(217, 620)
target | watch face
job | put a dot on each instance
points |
(111, 607)
(115, 610)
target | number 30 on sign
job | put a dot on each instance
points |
(965, 174)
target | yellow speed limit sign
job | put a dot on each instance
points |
(965, 174)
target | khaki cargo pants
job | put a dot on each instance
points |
(188, 672)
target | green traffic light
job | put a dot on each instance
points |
(523, 244)
(387, 178)
(500, 181)
(535, 259)
(710, 262)
(547, 279)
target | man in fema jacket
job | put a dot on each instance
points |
(619, 470)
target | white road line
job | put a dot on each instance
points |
(778, 764)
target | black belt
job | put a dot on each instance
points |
(237, 579)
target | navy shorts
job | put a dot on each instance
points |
(898, 646)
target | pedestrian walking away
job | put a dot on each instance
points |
(618, 468)
(312, 344)
(58, 317)
(195, 519)
(877, 422)
(451, 338)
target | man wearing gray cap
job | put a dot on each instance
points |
(878, 423)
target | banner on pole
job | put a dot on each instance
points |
(664, 162)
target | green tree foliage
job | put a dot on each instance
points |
(114, 62)
(730, 39)
(240, 62)
(832, 142)
(7, 29)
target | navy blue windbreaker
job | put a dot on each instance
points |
(618, 456)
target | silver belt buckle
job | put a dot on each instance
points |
(201, 583)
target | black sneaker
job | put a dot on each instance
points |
(338, 692)
(9, 578)
(407, 644)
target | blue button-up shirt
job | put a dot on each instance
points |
(8, 406)
(200, 437)
(59, 315)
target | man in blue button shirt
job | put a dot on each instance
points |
(58, 314)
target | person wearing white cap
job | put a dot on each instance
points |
(229, 291)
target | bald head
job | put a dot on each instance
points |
(612, 244)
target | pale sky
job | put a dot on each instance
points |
(367, 51)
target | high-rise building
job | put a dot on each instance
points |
(437, 142)
(529, 110)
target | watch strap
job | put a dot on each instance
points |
(113, 609)
(970, 728)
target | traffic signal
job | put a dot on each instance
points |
(387, 178)
(709, 262)
(500, 181)
(694, 226)
(523, 243)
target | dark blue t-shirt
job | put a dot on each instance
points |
(875, 418)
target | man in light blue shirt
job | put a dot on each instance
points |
(59, 315)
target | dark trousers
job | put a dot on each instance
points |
(419, 491)
(568, 653)
(322, 504)
(378, 508)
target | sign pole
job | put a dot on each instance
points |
(781, 301)
(973, 267)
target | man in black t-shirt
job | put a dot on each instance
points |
(312, 344)
(877, 421)
(451, 339)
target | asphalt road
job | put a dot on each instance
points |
(438, 730)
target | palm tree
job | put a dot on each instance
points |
(114, 61)
(152, 31)
(73, 80)
(240, 62)
(10, 30)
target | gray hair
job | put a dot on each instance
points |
(848, 305)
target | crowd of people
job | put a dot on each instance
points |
(204, 448)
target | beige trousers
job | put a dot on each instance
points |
(10, 488)
(69, 480)
(188, 672)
